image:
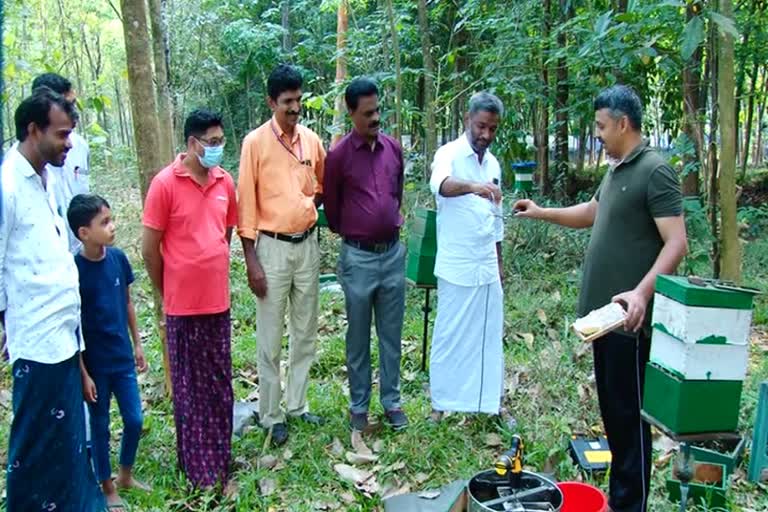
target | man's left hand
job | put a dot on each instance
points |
(141, 360)
(635, 304)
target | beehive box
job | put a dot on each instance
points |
(691, 406)
(422, 246)
(425, 223)
(702, 314)
(708, 493)
(420, 269)
(699, 361)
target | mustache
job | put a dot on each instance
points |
(374, 124)
(293, 112)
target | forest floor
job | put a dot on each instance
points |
(549, 387)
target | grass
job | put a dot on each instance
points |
(549, 387)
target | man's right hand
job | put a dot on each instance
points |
(89, 389)
(257, 279)
(489, 191)
(527, 208)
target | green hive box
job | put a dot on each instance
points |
(425, 223)
(422, 246)
(728, 453)
(421, 269)
(680, 289)
(709, 495)
(322, 220)
(691, 406)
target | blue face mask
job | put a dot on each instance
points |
(212, 156)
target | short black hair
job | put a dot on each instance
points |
(199, 120)
(283, 78)
(357, 88)
(83, 209)
(622, 100)
(53, 81)
(36, 109)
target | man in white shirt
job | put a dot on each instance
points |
(467, 338)
(40, 309)
(72, 177)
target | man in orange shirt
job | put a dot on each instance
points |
(189, 215)
(280, 185)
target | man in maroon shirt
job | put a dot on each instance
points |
(363, 189)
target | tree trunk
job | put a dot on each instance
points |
(542, 128)
(582, 150)
(692, 126)
(742, 68)
(730, 256)
(160, 54)
(342, 23)
(750, 117)
(145, 123)
(286, 23)
(757, 158)
(430, 129)
(398, 79)
(713, 165)
(561, 102)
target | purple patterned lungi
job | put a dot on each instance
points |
(201, 376)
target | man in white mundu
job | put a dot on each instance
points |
(466, 360)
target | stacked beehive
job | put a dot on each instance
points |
(422, 249)
(699, 355)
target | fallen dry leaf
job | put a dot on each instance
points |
(528, 339)
(378, 446)
(492, 440)
(287, 454)
(267, 486)
(556, 296)
(542, 316)
(267, 462)
(429, 495)
(359, 445)
(337, 449)
(358, 458)
(394, 490)
(348, 497)
(352, 474)
(421, 478)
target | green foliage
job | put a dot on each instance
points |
(698, 260)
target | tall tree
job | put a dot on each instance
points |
(562, 90)
(285, 21)
(146, 127)
(430, 128)
(342, 23)
(730, 253)
(692, 125)
(398, 78)
(542, 128)
(160, 56)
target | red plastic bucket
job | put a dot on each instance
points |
(578, 497)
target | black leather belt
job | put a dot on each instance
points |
(377, 247)
(294, 239)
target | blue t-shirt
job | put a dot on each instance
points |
(104, 296)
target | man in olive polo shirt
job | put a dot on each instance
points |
(638, 232)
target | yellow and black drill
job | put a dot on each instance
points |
(510, 463)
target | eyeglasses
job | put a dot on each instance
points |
(212, 142)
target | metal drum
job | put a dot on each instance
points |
(487, 491)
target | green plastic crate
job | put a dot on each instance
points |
(691, 406)
(678, 288)
(422, 246)
(421, 269)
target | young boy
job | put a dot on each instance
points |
(108, 365)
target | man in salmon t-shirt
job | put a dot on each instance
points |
(189, 214)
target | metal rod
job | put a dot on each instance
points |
(515, 496)
(426, 310)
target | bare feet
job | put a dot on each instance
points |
(131, 483)
(114, 501)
